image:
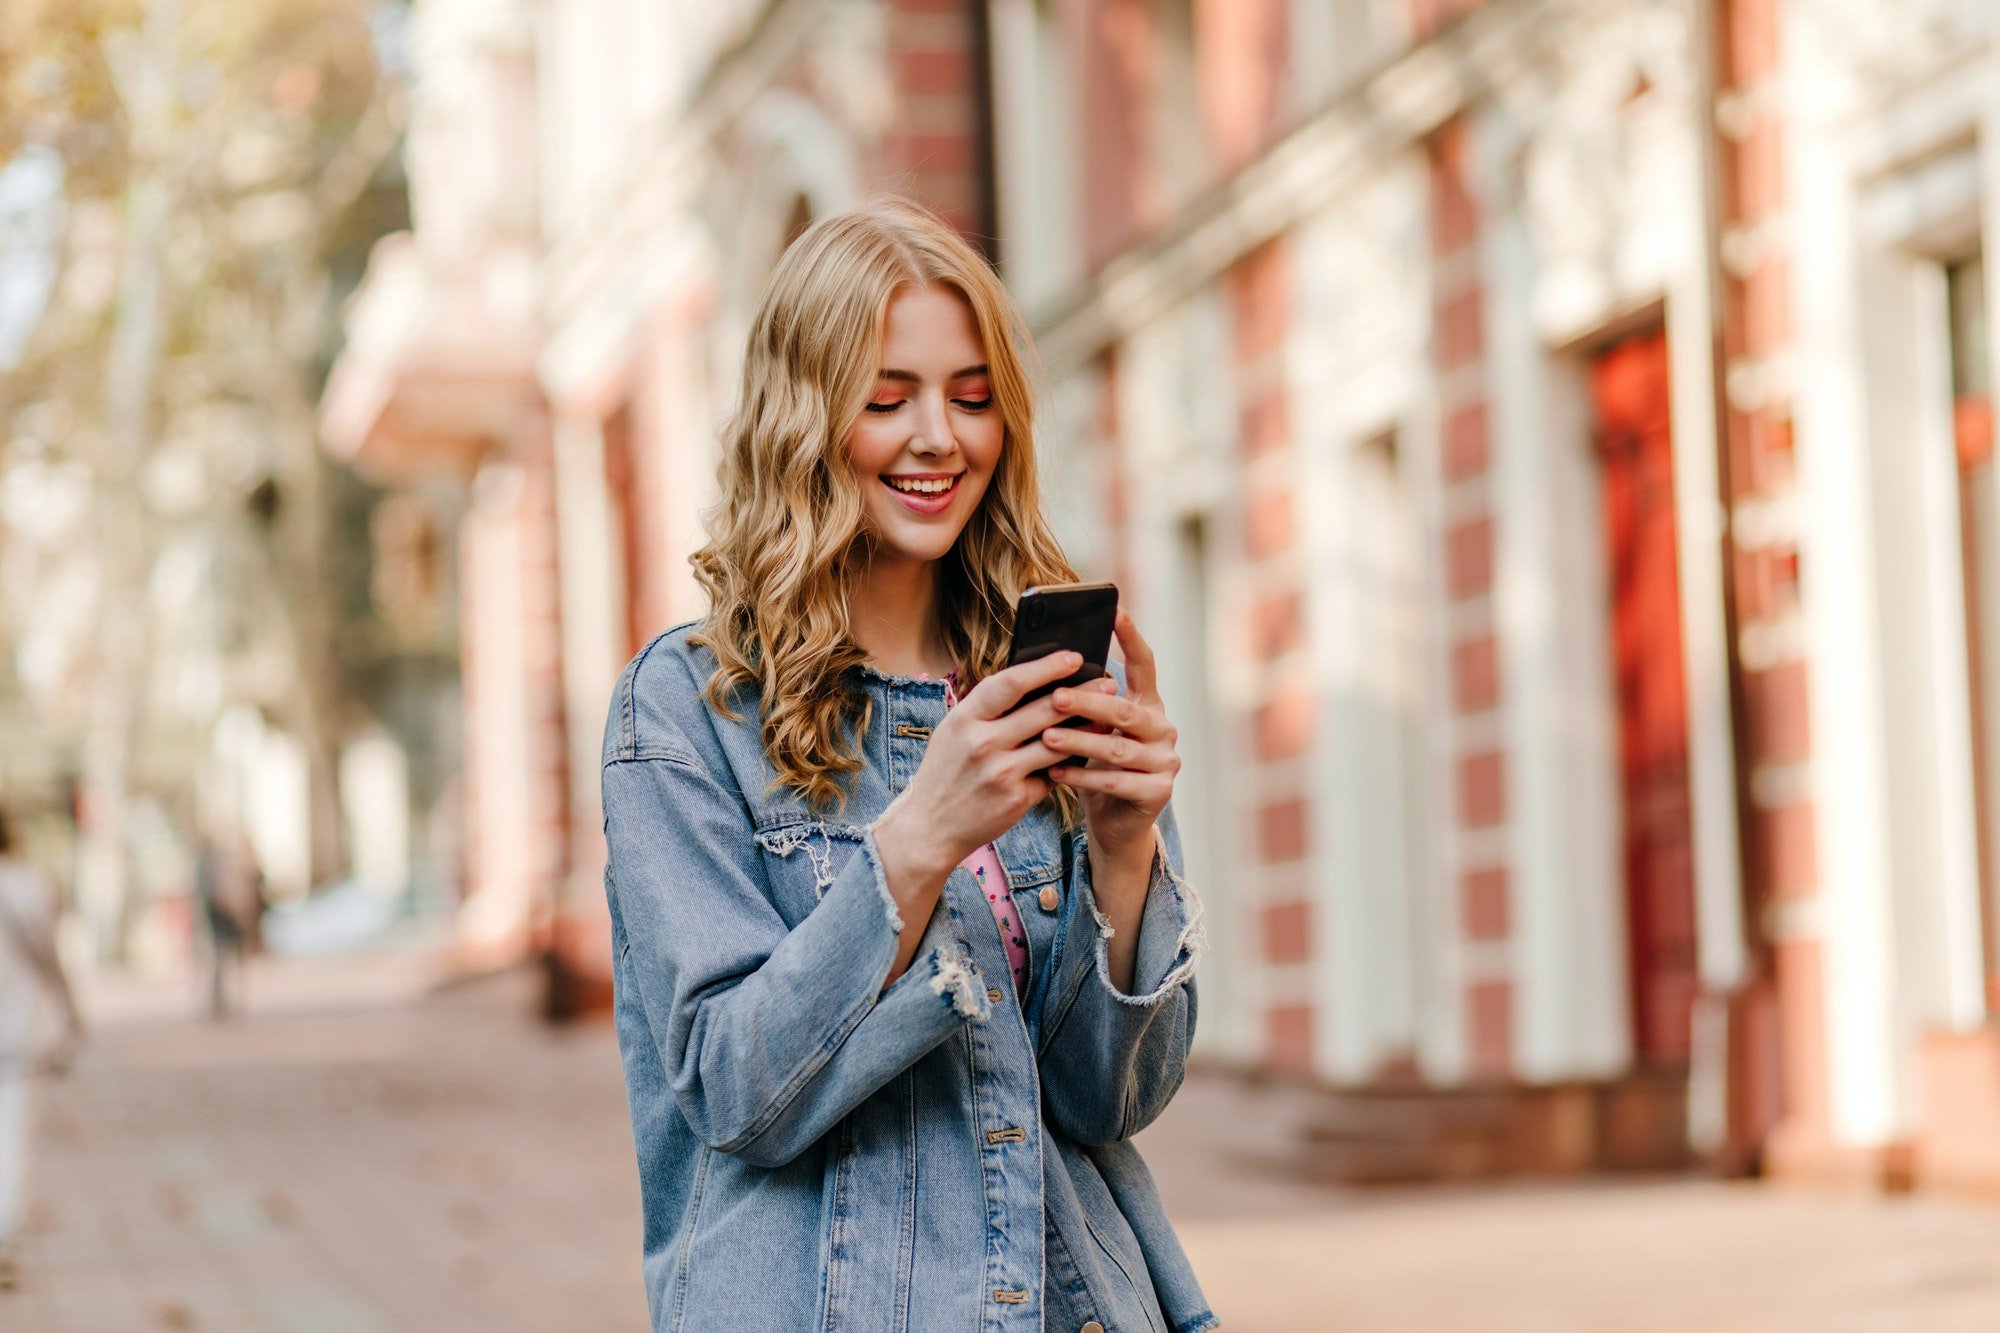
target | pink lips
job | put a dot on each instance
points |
(926, 504)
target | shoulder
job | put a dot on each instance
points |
(659, 709)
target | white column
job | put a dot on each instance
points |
(499, 751)
(687, 430)
(1989, 613)
(1010, 26)
(1389, 962)
(1173, 483)
(1854, 920)
(1948, 950)
(1569, 946)
(591, 579)
(1700, 513)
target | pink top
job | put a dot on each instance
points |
(984, 866)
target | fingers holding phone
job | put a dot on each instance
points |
(1053, 714)
(1073, 617)
(982, 769)
(1125, 764)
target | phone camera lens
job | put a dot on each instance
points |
(1034, 614)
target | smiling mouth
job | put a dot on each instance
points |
(928, 488)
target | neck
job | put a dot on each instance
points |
(892, 616)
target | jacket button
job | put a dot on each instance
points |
(1092, 1327)
(1050, 900)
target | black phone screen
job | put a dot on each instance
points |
(1079, 617)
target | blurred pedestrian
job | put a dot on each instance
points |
(898, 977)
(229, 892)
(31, 977)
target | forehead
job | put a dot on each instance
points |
(928, 327)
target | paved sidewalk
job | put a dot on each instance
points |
(361, 1155)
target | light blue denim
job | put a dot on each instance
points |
(816, 1153)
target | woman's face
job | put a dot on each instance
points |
(926, 445)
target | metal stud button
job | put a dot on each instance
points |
(1050, 898)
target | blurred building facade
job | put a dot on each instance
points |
(599, 191)
(1548, 442)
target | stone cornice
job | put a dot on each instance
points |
(1383, 114)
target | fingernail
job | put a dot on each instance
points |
(1072, 660)
(1062, 698)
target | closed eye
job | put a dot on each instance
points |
(966, 404)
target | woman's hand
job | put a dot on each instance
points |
(982, 771)
(1130, 749)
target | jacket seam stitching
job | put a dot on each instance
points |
(687, 1242)
(836, 1228)
(674, 757)
(631, 690)
(1119, 1263)
(1075, 1271)
(906, 1259)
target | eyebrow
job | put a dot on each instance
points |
(911, 377)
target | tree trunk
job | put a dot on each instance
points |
(104, 879)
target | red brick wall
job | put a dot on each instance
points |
(936, 148)
(1478, 767)
(1118, 74)
(1240, 60)
(1280, 725)
(1775, 744)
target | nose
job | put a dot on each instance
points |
(930, 427)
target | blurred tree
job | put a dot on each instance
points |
(205, 155)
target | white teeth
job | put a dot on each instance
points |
(921, 487)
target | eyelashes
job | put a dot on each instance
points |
(969, 404)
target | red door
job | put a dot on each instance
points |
(1635, 442)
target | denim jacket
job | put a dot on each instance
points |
(818, 1153)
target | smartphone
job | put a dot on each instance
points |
(1079, 617)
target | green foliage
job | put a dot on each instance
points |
(213, 156)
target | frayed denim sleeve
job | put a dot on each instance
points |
(768, 1035)
(1111, 1061)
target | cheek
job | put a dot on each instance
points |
(866, 450)
(982, 440)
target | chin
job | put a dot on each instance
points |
(896, 538)
(925, 549)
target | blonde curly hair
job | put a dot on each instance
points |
(790, 525)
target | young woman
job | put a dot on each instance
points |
(898, 976)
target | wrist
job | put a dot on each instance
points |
(1125, 854)
(908, 849)
(1120, 876)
